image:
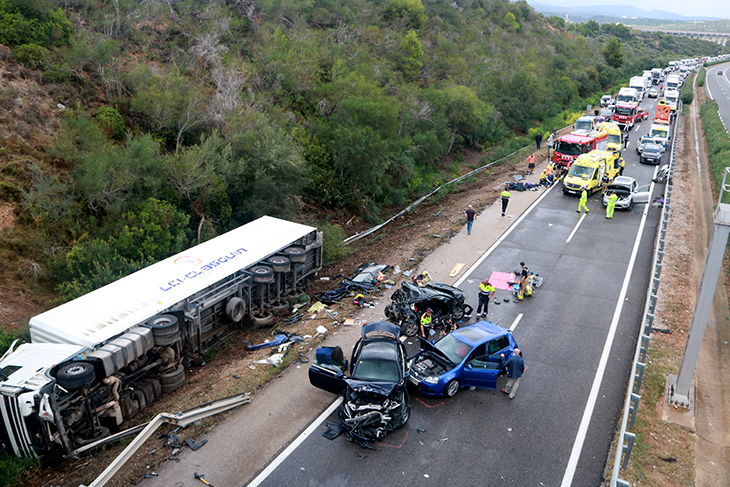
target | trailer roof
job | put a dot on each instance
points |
(117, 307)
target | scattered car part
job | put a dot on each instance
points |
(200, 477)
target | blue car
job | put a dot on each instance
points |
(467, 357)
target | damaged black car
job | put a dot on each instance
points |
(376, 398)
(410, 301)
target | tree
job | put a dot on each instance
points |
(613, 54)
(412, 11)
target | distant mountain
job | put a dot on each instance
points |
(615, 11)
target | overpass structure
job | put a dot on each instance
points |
(720, 38)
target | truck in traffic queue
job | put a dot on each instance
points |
(656, 76)
(660, 132)
(663, 113)
(672, 82)
(568, 147)
(625, 115)
(639, 84)
(672, 98)
(628, 95)
(100, 359)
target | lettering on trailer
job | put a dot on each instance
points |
(190, 261)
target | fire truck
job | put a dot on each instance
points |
(569, 147)
(625, 115)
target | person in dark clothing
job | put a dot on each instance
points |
(538, 140)
(486, 291)
(515, 366)
(470, 215)
(626, 139)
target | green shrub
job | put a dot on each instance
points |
(332, 248)
(718, 142)
(701, 77)
(32, 56)
(15, 471)
(111, 122)
(688, 91)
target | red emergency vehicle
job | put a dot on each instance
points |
(663, 114)
(625, 114)
(569, 147)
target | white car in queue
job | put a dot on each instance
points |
(628, 191)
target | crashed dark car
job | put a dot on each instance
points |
(410, 301)
(364, 281)
(376, 398)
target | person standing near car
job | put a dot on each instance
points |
(621, 166)
(426, 323)
(613, 197)
(604, 183)
(626, 138)
(583, 200)
(470, 216)
(515, 366)
(486, 291)
(551, 143)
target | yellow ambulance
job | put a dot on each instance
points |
(588, 170)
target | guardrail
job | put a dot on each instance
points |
(626, 439)
(420, 200)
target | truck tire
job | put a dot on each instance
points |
(296, 254)
(167, 340)
(167, 388)
(172, 377)
(262, 274)
(163, 325)
(76, 375)
(262, 320)
(280, 263)
(235, 309)
(87, 436)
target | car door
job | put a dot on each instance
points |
(641, 194)
(486, 362)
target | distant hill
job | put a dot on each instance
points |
(610, 12)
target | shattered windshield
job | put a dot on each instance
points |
(453, 348)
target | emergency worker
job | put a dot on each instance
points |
(611, 204)
(426, 323)
(525, 288)
(604, 183)
(621, 166)
(486, 291)
(505, 198)
(583, 200)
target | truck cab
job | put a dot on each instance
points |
(625, 114)
(585, 125)
(613, 141)
(569, 147)
(672, 97)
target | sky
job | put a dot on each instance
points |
(704, 8)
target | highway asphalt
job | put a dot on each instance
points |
(577, 333)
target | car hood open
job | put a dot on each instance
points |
(431, 348)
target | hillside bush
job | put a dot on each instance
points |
(32, 56)
(718, 142)
(111, 121)
(23, 22)
(701, 77)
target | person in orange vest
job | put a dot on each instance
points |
(530, 163)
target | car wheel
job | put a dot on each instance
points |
(458, 312)
(410, 327)
(76, 375)
(452, 388)
(631, 205)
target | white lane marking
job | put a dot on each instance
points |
(570, 237)
(514, 323)
(293, 446)
(593, 396)
(504, 235)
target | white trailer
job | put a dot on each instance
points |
(100, 359)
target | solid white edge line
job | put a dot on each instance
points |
(516, 322)
(293, 446)
(575, 229)
(504, 235)
(600, 371)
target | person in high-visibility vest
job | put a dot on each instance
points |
(622, 165)
(426, 322)
(611, 204)
(505, 198)
(486, 291)
(583, 200)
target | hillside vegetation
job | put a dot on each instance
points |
(132, 130)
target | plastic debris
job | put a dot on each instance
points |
(321, 330)
(272, 360)
(316, 307)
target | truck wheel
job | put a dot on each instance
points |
(87, 436)
(262, 274)
(76, 375)
(235, 309)
(167, 340)
(163, 325)
(174, 380)
(280, 263)
(278, 308)
(262, 320)
(296, 254)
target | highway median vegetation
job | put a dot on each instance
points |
(718, 143)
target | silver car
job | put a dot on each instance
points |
(628, 192)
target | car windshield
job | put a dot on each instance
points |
(659, 133)
(625, 110)
(580, 171)
(377, 362)
(614, 139)
(569, 148)
(584, 125)
(454, 349)
(621, 98)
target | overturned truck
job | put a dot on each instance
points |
(99, 360)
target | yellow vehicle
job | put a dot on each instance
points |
(588, 170)
(614, 136)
